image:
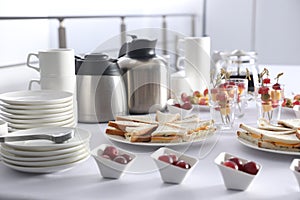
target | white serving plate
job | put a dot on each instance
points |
(38, 120)
(44, 154)
(253, 146)
(37, 125)
(36, 97)
(48, 163)
(36, 116)
(80, 136)
(121, 139)
(38, 112)
(49, 169)
(14, 157)
(36, 107)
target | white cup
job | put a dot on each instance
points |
(67, 83)
(54, 62)
(179, 84)
(196, 61)
(3, 127)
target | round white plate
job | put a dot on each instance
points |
(50, 169)
(80, 136)
(46, 154)
(36, 97)
(253, 146)
(36, 125)
(49, 163)
(39, 116)
(38, 112)
(14, 157)
(39, 120)
(36, 107)
(121, 139)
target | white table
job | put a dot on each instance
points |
(143, 181)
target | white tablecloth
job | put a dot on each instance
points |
(143, 181)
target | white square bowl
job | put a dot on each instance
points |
(109, 168)
(234, 179)
(295, 163)
(171, 173)
(173, 109)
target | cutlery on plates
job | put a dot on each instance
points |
(55, 137)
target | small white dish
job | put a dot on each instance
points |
(295, 163)
(173, 109)
(109, 168)
(35, 116)
(37, 111)
(80, 136)
(36, 97)
(47, 169)
(43, 154)
(171, 173)
(46, 163)
(296, 110)
(234, 179)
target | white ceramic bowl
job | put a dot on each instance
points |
(295, 163)
(173, 109)
(171, 173)
(234, 179)
(109, 168)
(296, 109)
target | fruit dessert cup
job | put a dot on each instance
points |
(269, 98)
(222, 105)
(173, 166)
(237, 173)
(112, 161)
(242, 92)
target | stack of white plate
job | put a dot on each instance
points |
(39, 108)
(43, 156)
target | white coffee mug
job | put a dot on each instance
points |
(196, 61)
(3, 127)
(54, 62)
(67, 83)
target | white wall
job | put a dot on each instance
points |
(21, 37)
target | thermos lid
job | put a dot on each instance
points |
(96, 64)
(138, 48)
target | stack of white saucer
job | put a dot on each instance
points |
(31, 109)
(43, 156)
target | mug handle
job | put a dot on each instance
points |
(33, 81)
(179, 65)
(28, 61)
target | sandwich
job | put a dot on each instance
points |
(277, 140)
(163, 118)
(168, 134)
(264, 124)
(140, 134)
(291, 123)
(147, 119)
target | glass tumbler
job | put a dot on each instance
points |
(222, 105)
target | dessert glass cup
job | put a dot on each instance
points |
(222, 106)
(242, 92)
(269, 102)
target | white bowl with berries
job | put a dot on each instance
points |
(295, 167)
(184, 109)
(237, 173)
(112, 161)
(174, 167)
